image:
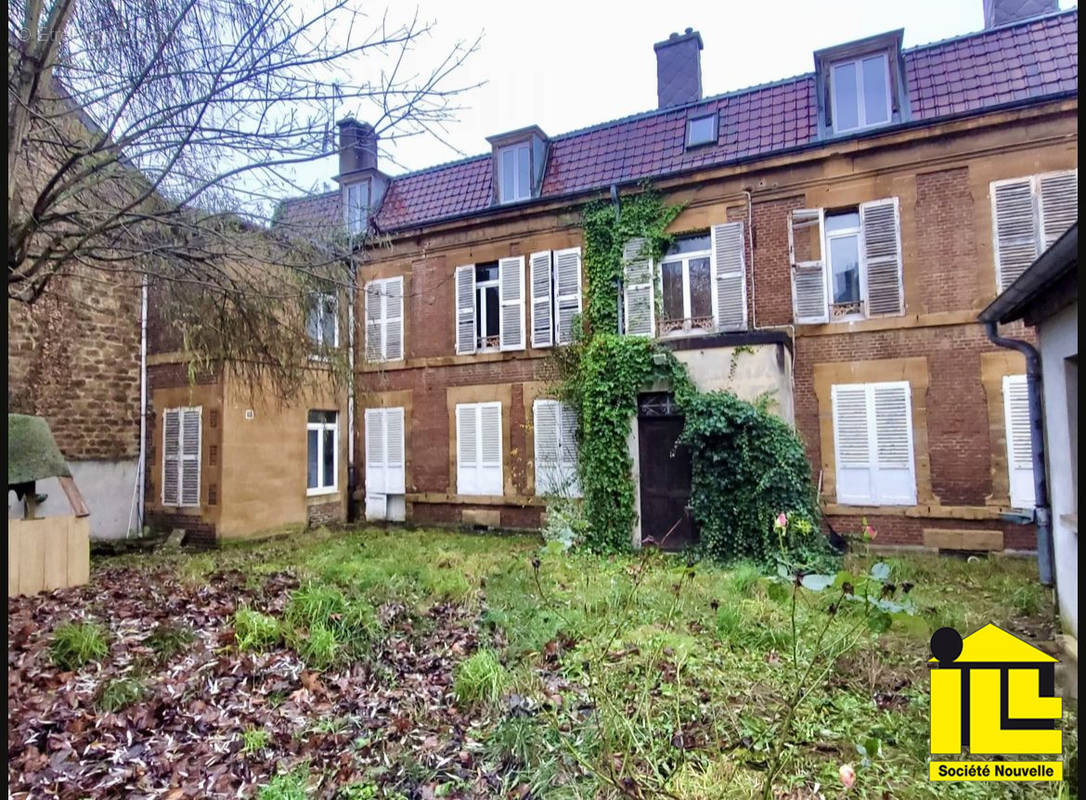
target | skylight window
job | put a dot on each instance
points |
(701, 130)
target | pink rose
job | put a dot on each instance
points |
(847, 775)
(782, 520)
(870, 532)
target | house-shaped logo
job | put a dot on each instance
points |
(991, 692)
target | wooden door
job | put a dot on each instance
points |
(665, 475)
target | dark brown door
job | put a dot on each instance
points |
(665, 481)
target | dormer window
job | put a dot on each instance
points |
(860, 91)
(356, 206)
(701, 130)
(514, 166)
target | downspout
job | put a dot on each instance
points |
(351, 476)
(1042, 514)
(141, 468)
(618, 282)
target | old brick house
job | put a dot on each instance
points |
(844, 225)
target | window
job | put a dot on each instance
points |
(686, 285)
(384, 459)
(322, 435)
(321, 321)
(1019, 441)
(846, 263)
(860, 91)
(490, 306)
(701, 130)
(357, 208)
(479, 448)
(555, 429)
(181, 456)
(555, 283)
(1028, 216)
(514, 172)
(384, 319)
(873, 443)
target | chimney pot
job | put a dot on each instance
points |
(678, 69)
(357, 146)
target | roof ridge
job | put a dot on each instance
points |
(972, 34)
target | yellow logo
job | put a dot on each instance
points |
(993, 693)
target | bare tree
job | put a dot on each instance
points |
(152, 139)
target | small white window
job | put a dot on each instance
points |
(181, 439)
(873, 443)
(860, 91)
(479, 449)
(514, 172)
(1019, 441)
(701, 130)
(322, 322)
(322, 443)
(357, 206)
(555, 430)
(686, 284)
(384, 319)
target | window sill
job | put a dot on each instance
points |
(321, 492)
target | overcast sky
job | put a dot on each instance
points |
(567, 64)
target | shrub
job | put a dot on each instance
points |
(168, 639)
(77, 643)
(480, 678)
(255, 631)
(120, 693)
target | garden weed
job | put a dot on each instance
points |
(286, 786)
(119, 693)
(77, 643)
(255, 631)
(168, 639)
(481, 678)
(253, 740)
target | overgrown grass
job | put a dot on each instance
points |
(253, 740)
(119, 693)
(168, 639)
(480, 678)
(286, 786)
(255, 631)
(77, 643)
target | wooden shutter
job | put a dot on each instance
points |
(393, 318)
(465, 309)
(852, 445)
(394, 451)
(545, 419)
(808, 267)
(375, 452)
(639, 293)
(375, 328)
(1058, 194)
(490, 448)
(567, 291)
(467, 449)
(190, 456)
(542, 297)
(567, 450)
(729, 276)
(171, 456)
(880, 232)
(1019, 441)
(511, 293)
(1014, 229)
(894, 480)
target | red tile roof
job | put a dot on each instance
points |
(1032, 59)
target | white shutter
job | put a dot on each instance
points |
(545, 419)
(490, 448)
(1058, 194)
(511, 292)
(894, 480)
(394, 451)
(567, 450)
(567, 291)
(479, 448)
(729, 276)
(374, 310)
(540, 280)
(639, 293)
(375, 452)
(1014, 229)
(465, 309)
(852, 444)
(880, 230)
(467, 449)
(1019, 441)
(190, 456)
(808, 273)
(171, 456)
(393, 318)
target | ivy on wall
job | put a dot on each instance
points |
(748, 465)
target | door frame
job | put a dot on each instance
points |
(633, 450)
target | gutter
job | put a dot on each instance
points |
(1042, 513)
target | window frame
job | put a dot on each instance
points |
(359, 222)
(713, 136)
(861, 110)
(320, 428)
(319, 299)
(480, 309)
(861, 262)
(877, 496)
(378, 285)
(520, 193)
(180, 459)
(684, 259)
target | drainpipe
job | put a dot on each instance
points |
(1042, 514)
(352, 478)
(138, 490)
(618, 283)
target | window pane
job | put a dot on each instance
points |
(875, 90)
(508, 173)
(491, 311)
(845, 261)
(701, 130)
(701, 298)
(698, 243)
(524, 178)
(328, 320)
(326, 417)
(845, 94)
(486, 272)
(842, 221)
(329, 456)
(311, 462)
(672, 274)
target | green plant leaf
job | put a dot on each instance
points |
(880, 571)
(816, 582)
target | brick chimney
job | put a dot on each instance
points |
(678, 69)
(357, 146)
(1000, 12)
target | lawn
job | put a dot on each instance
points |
(423, 664)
